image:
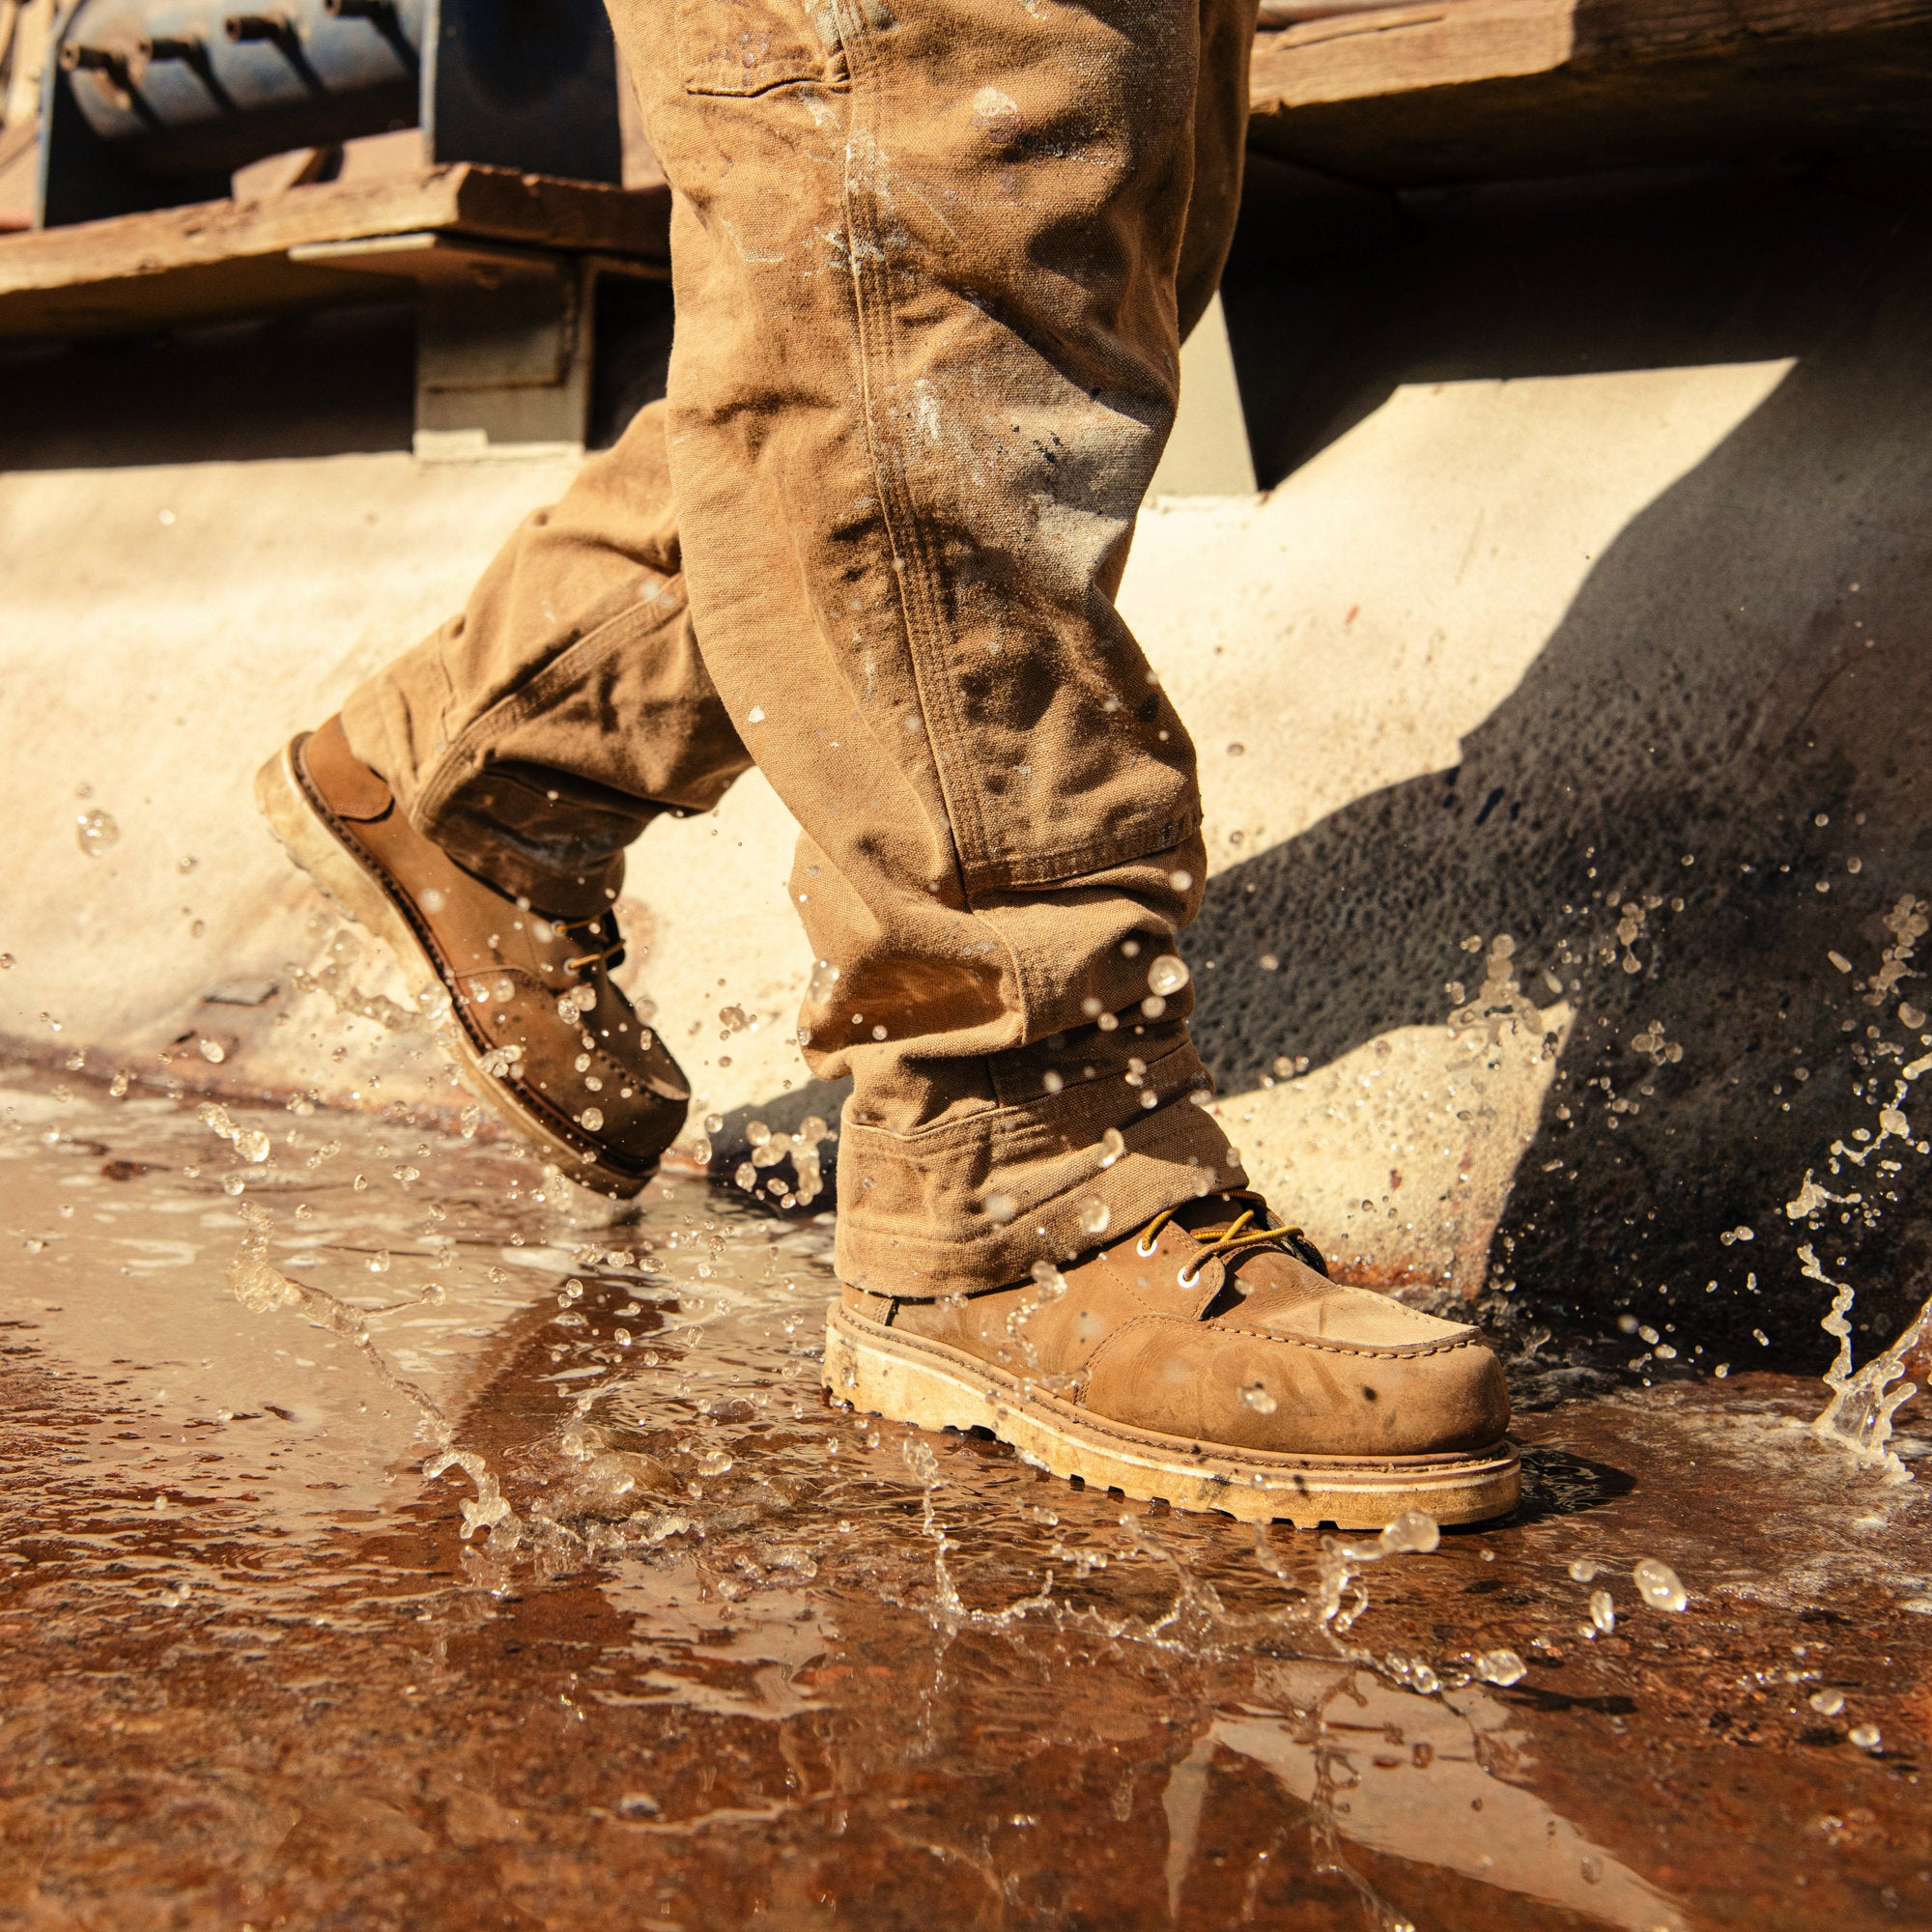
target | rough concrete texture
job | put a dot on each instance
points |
(461, 1560)
(1574, 662)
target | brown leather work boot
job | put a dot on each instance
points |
(537, 1030)
(1202, 1360)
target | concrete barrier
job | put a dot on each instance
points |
(1567, 681)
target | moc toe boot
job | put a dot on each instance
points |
(1209, 1361)
(537, 1030)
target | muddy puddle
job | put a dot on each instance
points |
(389, 1542)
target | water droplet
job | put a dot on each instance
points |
(1270, 963)
(1236, 751)
(379, 1262)
(1001, 1207)
(1867, 1737)
(431, 900)
(1048, 1277)
(1181, 881)
(1413, 1532)
(1658, 1584)
(1167, 975)
(6, 962)
(1096, 1216)
(590, 1119)
(1826, 1703)
(1112, 1146)
(1602, 1611)
(94, 832)
(714, 1124)
(1257, 1399)
(1501, 1666)
(713, 1463)
(252, 1145)
(756, 715)
(212, 1050)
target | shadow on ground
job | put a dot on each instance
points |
(1732, 727)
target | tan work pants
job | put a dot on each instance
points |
(932, 262)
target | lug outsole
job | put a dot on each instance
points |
(907, 1378)
(311, 843)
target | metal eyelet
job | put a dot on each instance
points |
(1183, 1279)
(1145, 1248)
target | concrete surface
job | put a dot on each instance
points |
(673, 1646)
(1595, 541)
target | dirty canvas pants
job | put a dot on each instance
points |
(932, 259)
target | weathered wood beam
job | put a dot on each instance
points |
(1474, 90)
(226, 258)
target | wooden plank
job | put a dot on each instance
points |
(181, 265)
(1471, 90)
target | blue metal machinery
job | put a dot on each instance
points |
(153, 104)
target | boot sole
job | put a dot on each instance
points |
(303, 830)
(906, 1378)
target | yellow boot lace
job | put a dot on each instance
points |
(605, 926)
(1238, 1236)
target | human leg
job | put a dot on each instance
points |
(537, 733)
(473, 805)
(926, 356)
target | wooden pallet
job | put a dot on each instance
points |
(1488, 90)
(298, 249)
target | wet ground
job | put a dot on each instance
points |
(675, 1644)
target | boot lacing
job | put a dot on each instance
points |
(605, 925)
(1219, 1243)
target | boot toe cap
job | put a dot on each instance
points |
(1290, 1395)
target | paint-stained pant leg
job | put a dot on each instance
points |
(931, 267)
(926, 256)
(537, 733)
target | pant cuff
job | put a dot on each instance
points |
(976, 1202)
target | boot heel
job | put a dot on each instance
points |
(859, 1374)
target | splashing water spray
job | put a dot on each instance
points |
(261, 1288)
(1858, 1418)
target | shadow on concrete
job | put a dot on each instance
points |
(335, 383)
(1735, 712)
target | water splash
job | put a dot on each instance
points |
(250, 1143)
(262, 1287)
(950, 1611)
(94, 832)
(334, 977)
(1858, 1418)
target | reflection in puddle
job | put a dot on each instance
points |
(1406, 1775)
(504, 1565)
